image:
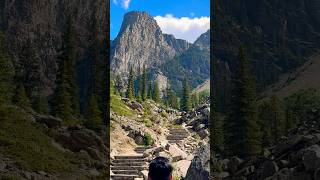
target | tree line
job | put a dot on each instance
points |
(141, 88)
(251, 124)
(65, 101)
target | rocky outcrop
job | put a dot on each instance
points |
(141, 42)
(197, 120)
(200, 165)
(296, 156)
(36, 27)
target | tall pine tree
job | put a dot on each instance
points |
(69, 56)
(242, 133)
(216, 130)
(185, 99)
(150, 91)
(140, 86)
(130, 89)
(21, 98)
(94, 116)
(172, 99)
(156, 93)
(7, 73)
(62, 105)
(144, 84)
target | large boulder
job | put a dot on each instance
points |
(200, 165)
(267, 169)
(311, 158)
(182, 167)
(49, 121)
(175, 152)
(136, 106)
(83, 139)
(138, 136)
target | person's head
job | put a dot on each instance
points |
(160, 169)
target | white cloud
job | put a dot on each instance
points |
(124, 3)
(185, 27)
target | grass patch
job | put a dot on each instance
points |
(148, 139)
(120, 107)
(27, 144)
(147, 122)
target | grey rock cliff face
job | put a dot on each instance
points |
(141, 42)
(43, 22)
(203, 41)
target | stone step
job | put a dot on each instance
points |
(129, 164)
(144, 147)
(134, 172)
(128, 160)
(177, 130)
(130, 157)
(124, 177)
(174, 141)
(183, 136)
(139, 168)
(141, 149)
(179, 134)
(175, 138)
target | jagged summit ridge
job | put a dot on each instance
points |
(141, 42)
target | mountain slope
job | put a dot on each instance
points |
(305, 77)
(271, 32)
(37, 26)
(194, 64)
(141, 42)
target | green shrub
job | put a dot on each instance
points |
(26, 143)
(147, 122)
(148, 139)
(119, 107)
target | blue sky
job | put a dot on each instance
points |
(185, 19)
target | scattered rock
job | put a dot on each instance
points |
(267, 169)
(183, 166)
(49, 121)
(311, 158)
(176, 153)
(200, 165)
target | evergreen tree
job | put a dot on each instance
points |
(264, 122)
(130, 89)
(156, 93)
(172, 99)
(216, 130)
(118, 85)
(112, 87)
(41, 105)
(140, 87)
(7, 73)
(21, 98)
(241, 131)
(62, 105)
(69, 56)
(278, 118)
(94, 116)
(272, 120)
(195, 100)
(185, 100)
(150, 91)
(144, 84)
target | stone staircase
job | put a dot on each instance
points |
(177, 135)
(141, 149)
(128, 167)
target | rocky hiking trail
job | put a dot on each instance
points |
(175, 135)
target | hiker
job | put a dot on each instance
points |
(160, 169)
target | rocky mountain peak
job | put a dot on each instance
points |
(141, 42)
(203, 41)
